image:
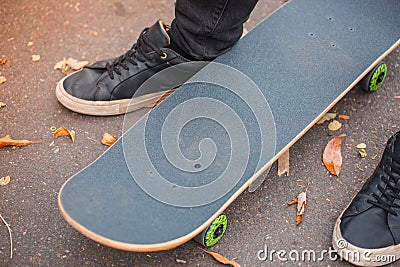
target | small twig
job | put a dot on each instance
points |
(308, 184)
(92, 139)
(9, 231)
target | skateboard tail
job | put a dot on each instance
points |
(136, 247)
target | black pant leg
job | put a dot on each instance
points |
(205, 29)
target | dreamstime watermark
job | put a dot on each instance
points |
(310, 255)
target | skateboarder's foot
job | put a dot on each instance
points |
(368, 231)
(108, 87)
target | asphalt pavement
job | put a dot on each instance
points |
(99, 29)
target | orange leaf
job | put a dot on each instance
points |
(3, 60)
(62, 131)
(332, 156)
(301, 201)
(293, 201)
(8, 141)
(108, 139)
(221, 258)
(344, 117)
(299, 219)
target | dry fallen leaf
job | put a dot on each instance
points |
(344, 117)
(361, 149)
(332, 156)
(220, 258)
(283, 164)
(3, 60)
(301, 201)
(66, 65)
(5, 180)
(361, 146)
(108, 139)
(363, 152)
(35, 57)
(8, 141)
(75, 64)
(327, 117)
(334, 125)
(62, 131)
(2, 79)
(62, 65)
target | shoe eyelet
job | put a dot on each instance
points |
(163, 56)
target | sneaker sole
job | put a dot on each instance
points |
(361, 256)
(105, 108)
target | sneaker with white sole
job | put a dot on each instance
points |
(109, 87)
(367, 233)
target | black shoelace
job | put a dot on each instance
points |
(136, 53)
(391, 192)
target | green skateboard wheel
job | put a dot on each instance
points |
(213, 233)
(375, 78)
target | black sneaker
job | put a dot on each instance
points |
(107, 87)
(367, 233)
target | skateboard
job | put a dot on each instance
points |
(174, 172)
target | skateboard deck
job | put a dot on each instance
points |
(182, 164)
